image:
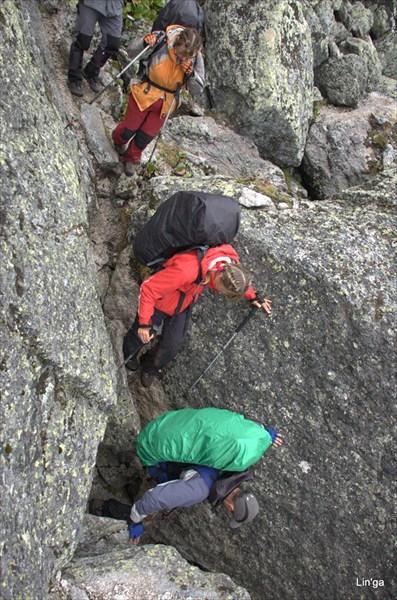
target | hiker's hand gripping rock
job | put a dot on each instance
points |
(276, 437)
(136, 530)
(278, 441)
(145, 334)
(262, 303)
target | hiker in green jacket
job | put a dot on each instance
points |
(182, 472)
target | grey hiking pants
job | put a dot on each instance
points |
(110, 28)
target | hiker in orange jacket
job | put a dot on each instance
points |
(174, 62)
(166, 297)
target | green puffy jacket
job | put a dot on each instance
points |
(212, 437)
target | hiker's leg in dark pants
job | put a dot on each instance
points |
(85, 25)
(171, 341)
(116, 510)
(132, 344)
(110, 43)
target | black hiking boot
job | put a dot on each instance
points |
(95, 507)
(76, 88)
(132, 364)
(147, 379)
(121, 150)
(93, 82)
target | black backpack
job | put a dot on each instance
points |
(187, 13)
(185, 221)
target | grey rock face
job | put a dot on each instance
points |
(221, 150)
(345, 148)
(344, 79)
(320, 371)
(57, 365)
(387, 50)
(107, 566)
(341, 30)
(98, 141)
(260, 64)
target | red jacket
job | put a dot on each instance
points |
(162, 290)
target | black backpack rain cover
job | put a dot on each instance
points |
(180, 12)
(187, 220)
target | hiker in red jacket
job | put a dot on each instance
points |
(166, 297)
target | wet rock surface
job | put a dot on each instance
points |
(319, 370)
(57, 366)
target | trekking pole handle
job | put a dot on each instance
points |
(99, 94)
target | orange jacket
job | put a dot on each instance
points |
(164, 70)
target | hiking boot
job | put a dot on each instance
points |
(132, 364)
(130, 169)
(95, 507)
(121, 150)
(75, 88)
(147, 379)
(93, 82)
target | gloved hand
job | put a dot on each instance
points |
(187, 66)
(136, 530)
(150, 39)
(273, 434)
(158, 474)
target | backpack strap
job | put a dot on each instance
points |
(209, 474)
(174, 470)
(201, 252)
(156, 85)
(144, 63)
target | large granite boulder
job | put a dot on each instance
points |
(387, 50)
(383, 31)
(107, 566)
(325, 29)
(348, 147)
(260, 69)
(218, 149)
(352, 42)
(321, 371)
(345, 77)
(57, 366)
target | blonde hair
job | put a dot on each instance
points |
(235, 281)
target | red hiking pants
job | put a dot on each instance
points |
(143, 123)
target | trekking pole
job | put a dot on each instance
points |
(119, 75)
(126, 360)
(154, 330)
(175, 99)
(235, 334)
